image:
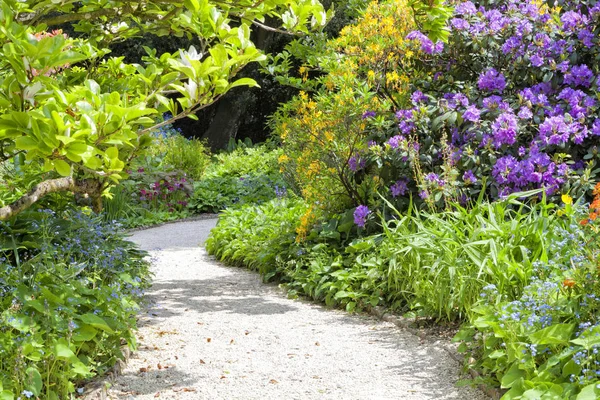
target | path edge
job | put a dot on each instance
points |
(404, 323)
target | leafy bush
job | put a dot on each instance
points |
(70, 289)
(508, 104)
(545, 343)
(323, 132)
(247, 175)
(257, 235)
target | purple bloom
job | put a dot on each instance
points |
(427, 46)
(554, 130)
(395, 141)
(466, 8)
(469, 177)
(423, 194)
(525, 113)
(571, 20)
(586, 37)
(503, 168)
(399, 188)
(472, 114)
(360, 215)
(434, 178)
(596, 127)
(418, 97)
(460, 24)
(579, 75)
(504, 129)
(492, 80)
(495, 102)
(368, 114)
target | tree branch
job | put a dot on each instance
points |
(90, 186)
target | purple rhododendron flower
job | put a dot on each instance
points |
(466, 8)
(596, 127)
(368, 114)
(504, 130)
(395, 141)
(427, 46)
(469, 177)
(472, 114)
(460, 24)
(495, 102)
(554, 130)
(579, 75)
(525, 113)
(571, 20)
(399, 188)
(492, 80)
(360, 215)
(418, 97)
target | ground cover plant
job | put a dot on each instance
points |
(159, 184)
(70, 289)
(244, 175)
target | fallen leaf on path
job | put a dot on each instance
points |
(163, 333)
(157, 394)
(143, 369)
(159, 366)
(231, 341)
(273, 381)
(208, 339)
(177, 358)
(317, 344)
(246, 333)
(202, 362)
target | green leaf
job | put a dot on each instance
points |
(554, 334)
(26, 143)
(62, 167)
(96, 322)
(590, 392)
(513, 376)
(244, 82)
(33, 381)
(84, 333)
(6, 395)
(588, 338)
(63, 351)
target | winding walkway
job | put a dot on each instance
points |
(215, 332)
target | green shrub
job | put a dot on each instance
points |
(256, 236)
(545, 343)
(70, 289)
(247, 175)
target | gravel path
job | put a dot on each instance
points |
(216, 332)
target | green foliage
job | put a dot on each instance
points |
(257, 236)
(436, 264)
(74, 112)
(177, 153)
(70, 290)
(544, 343)
(247, 175)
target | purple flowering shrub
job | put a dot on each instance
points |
(510, 99)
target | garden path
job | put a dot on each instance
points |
(216, 332)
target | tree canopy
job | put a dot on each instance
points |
(72, 117)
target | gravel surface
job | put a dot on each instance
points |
(215, 332)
